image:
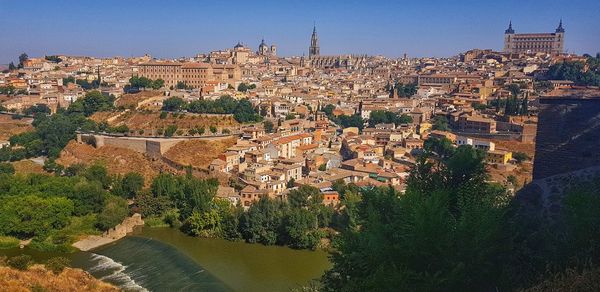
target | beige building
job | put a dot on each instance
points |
(195, 75)
(550, 43)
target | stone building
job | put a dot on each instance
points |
(341, 61)
(568, 134)
(550, 43)
(195, 75)
(265, 50)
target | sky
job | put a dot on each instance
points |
(177, 28)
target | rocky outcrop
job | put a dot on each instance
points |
(114, 234)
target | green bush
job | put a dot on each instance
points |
(57, 264)
(21, 262)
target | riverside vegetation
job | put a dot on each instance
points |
(453, 231)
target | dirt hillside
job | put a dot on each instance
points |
(198, 153)
(151, 121)
(37, 278)
(136, 99)
(117, 160)
(9, 127)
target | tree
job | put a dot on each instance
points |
(460, 211)
(291, 183)
(268, 125)
(28, 216)
(152, 206)
(132, 184)
(440, 123)
(20, 262)
(171, 129)
(6, 168)
(300, 229)
(173, 104)
(157, 84)
(304, 196)
(98, 173)
(87, 197)
(92, 102)
(442, 147)
(575, 71)
(11, 66)
(262, 223)
(243, 87)
(54, 59)
(349, 121)
(114, 211)
(204, 224)
(520, 157)
(181, 85)
(242, 110)
(57, 264)
(22, 59)
(142, 82)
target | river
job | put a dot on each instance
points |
(164, 259)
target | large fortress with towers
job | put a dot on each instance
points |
(550, 43)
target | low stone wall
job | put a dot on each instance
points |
(152, 146)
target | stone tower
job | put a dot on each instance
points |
(508, 34)
(560, 38)
(313, 50)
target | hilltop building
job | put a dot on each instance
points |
(195, 75)
(550, 43)
(265, 50)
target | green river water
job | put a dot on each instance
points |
(164, 259)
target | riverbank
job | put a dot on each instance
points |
(38, 278)
(112, 235)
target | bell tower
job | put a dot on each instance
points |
(508, 35)
(313, 50)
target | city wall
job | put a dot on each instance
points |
(152, 146)
(568, 136)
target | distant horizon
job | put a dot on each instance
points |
(187, 28)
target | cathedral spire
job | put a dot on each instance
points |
(313, 50)
(560, 28)
(510, 28)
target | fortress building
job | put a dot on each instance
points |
(550, 43)
(195, 75)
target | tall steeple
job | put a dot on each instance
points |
(510, 30)
(313, 50)
(560, 28)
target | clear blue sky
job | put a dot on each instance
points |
(170, 28)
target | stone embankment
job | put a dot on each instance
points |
(114, 234)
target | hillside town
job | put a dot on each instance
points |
(315, 120)
(313, 146)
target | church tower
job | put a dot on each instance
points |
(559, 42)
(313, 50)
(508, 35)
